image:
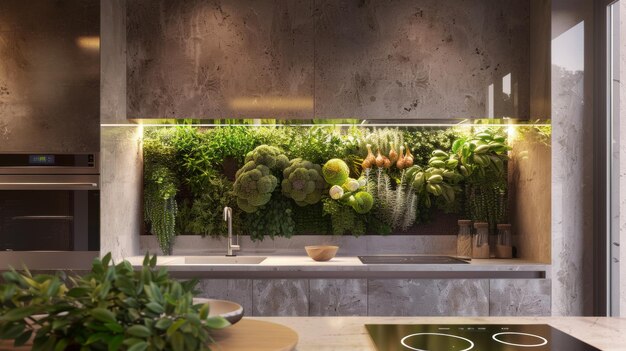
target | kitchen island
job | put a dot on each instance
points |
(348, 333)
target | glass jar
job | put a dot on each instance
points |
(504, 246)
(480, 241)
(464, 239)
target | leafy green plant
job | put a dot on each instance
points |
(483, 161)
(272, 221)
(205, 215)
(114, 307)
(160, 189)
(344, 220)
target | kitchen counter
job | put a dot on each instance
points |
(350, 266)
(348, 333)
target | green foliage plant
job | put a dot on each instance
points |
(205, 215)
(160, 189)
(483, 160)
(275, 219)
(113, 307)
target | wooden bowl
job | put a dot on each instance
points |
(321, 253)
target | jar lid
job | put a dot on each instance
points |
(481, 225)
(464, 222)
(504, 226)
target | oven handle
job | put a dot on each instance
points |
(65, 218)
(48, 186)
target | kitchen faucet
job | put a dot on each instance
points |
(228, 217)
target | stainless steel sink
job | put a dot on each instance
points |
(410, 259)
(224, 259)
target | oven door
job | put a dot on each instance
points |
(49, 213)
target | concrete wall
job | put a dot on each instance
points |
(122, 166)
(329, 59)
(49, 92)
(572, 156)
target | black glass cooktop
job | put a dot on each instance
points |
(410, 259)
(469, 337)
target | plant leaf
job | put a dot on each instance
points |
(139, 331)
(217, 322)
(140, 346)
(18, 313)
(103, 315)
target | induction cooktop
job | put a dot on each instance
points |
(410, 259)
(470, 337)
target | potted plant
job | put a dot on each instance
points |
(114, 307)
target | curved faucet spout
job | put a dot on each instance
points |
(228, 217)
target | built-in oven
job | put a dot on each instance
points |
(49, 203)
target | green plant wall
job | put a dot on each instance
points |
(191, 173)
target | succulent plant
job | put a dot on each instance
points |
(303, 182)
(114, 307)
(335, 172)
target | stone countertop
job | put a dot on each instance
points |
(348, 333)
(351, 266)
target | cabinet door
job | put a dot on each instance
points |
(50, 75)
(519, 297)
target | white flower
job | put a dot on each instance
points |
(362, 181)
(352, 185)
(336, 192)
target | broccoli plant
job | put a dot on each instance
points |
(255, 181)
(269, 156)
(254, 186)
(303, 182)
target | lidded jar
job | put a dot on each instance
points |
(480, 241)
(504, 246)
(464, 239)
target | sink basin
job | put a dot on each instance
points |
(224, 259)
(410, 259)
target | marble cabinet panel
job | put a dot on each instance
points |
(393, 59)
(214, 59)
(519, 297)
(428, 297)
(280, 297)
(237, 290)
(49, 76)
(421, 59)
(338, 297)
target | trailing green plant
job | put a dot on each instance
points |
(160, 189)
(113, 307)
(303, 182)
(272, 221)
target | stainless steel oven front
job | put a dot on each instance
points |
(49, 203)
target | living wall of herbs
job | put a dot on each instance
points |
(289, 180)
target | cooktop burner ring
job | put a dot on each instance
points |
(543, 342)
(403, 341)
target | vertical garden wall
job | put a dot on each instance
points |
(284, 180)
